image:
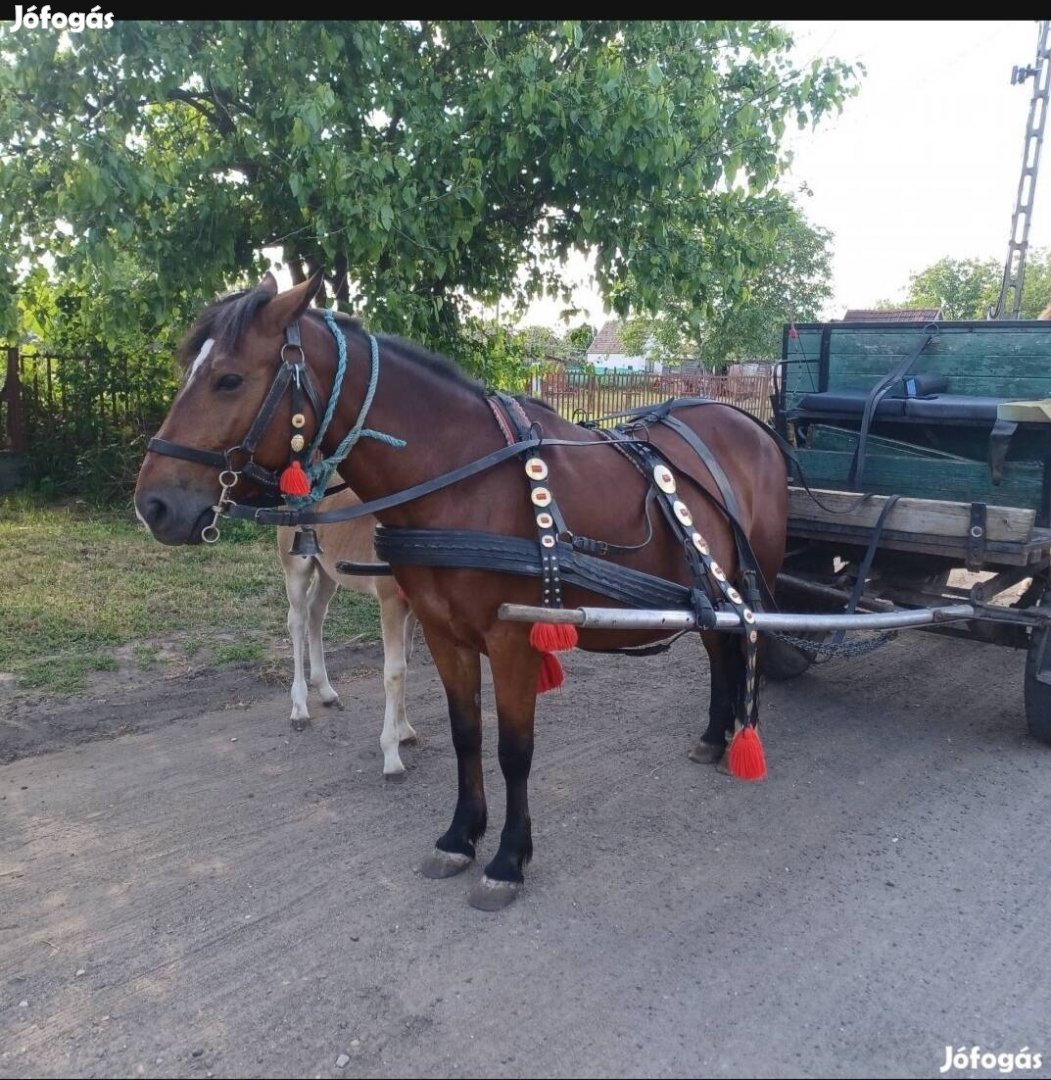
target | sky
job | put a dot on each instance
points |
(922, 164)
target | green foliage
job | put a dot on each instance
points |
(423, 163)
(970, 288)
(786, 277)
(90, 410)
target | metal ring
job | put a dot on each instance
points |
(210, 529)
(228, 483)
(302, 355)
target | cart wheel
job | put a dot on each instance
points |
(782, 661)
(1038, 681)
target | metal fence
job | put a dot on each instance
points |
(579, 396)
(77, 403)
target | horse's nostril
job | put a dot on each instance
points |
(154, 511)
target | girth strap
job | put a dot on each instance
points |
(466, 549)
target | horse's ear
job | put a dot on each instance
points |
(288, 306)
(269, 284)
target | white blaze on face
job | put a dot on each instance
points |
(206, 348)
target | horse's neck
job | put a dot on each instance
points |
(444, 425)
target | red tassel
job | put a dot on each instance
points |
(551, 675)
(552, 637)
(747, 760)
(294, 481)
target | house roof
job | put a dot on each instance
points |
(916, 315)
(607, 340)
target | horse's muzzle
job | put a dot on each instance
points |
(173, 516)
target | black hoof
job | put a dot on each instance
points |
(396, 777)
(335, 703)
(705, 753)
(444, 864)
(302, 724)
(410, 740)
(489, 895)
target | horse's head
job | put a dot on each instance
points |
(229, 413)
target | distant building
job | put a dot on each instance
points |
(608, 353)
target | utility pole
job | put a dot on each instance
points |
(1010, 302)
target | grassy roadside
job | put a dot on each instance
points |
(83, 590)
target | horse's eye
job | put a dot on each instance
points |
(228, 382)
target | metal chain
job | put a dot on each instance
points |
(842, 650)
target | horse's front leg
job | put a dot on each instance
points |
(727, 678)
(320, 597)
(461, 674)
(515, 669)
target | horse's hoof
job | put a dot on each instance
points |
(396, 777)
(705, 753)
(723, 765)
(300, 723)
(412, 739)
(443, 864)
(490, 895)
(335, 703)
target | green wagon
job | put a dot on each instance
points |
(946, 428)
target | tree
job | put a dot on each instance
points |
(786, 278)
(970, 288)
(962, 288)
(424, 164)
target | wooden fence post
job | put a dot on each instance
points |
(12, 394)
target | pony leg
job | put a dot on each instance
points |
(515, 670)
(298, 576)
(461, 674)
(727, 677)
(392, 622)
(320, 596)
(406, 733)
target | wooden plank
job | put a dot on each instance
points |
(926, 517)
(958, 481)
(946, 546)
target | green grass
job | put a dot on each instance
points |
(78, 584)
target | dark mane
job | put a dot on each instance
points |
(224, 320)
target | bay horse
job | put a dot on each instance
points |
(467, 526)
(310, 583)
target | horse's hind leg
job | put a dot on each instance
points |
(461, 674)
(396, 729)
(515, 670)
(727, 678)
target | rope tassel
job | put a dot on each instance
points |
(747, 759)
(294, 481)
(551, 675)
(552, 637)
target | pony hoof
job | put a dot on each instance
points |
(443, 864)
(490, 895)
(335, 703)
(705, 753)
(395, 777)
(411, 739)
(723, 765)
(300, 723)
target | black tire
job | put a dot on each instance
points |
(1038, 681)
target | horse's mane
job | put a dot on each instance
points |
(226, 319)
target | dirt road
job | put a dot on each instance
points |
(197, 891)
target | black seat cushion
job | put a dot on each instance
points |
(954, 407)
(849, 401)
